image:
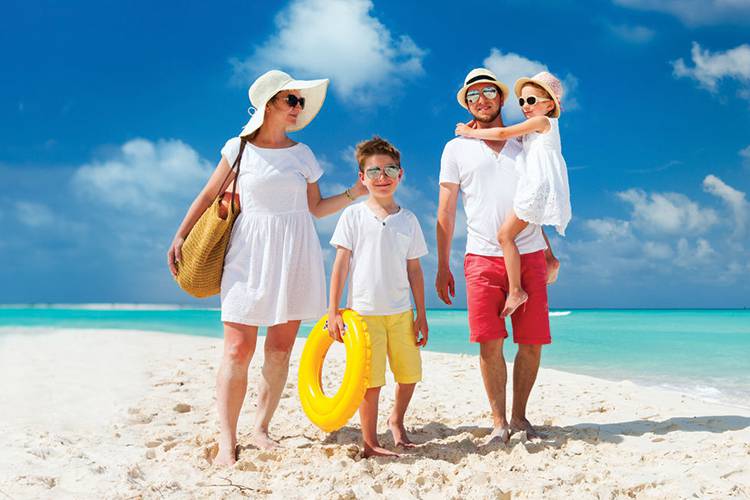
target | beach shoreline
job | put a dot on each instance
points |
(117, 414)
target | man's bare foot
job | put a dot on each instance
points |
(513, 302)
(399, 434)
(261, 440)
(378, 451)
(227, 456)
(523, 425)
(553, 267)
(500, 433)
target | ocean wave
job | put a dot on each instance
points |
(560, 313)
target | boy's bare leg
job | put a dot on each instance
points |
(368, 418)
(507, 238)
(395, 422)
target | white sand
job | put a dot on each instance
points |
(94, 414)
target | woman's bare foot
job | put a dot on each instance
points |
(523, 425)
(500, 433)
(261, 440)
(399, 434)
(513, 302)
(553, 267)
(227, 455)
(378, 451)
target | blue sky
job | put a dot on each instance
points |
(113, 115)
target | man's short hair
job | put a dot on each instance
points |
(375, 146)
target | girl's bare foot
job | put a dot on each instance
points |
(378, 451)
(261, 440)
(227, 455)
(513, 302)
(553, 268)
(399, 434)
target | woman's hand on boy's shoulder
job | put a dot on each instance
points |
(420, 327)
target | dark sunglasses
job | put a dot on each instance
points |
(292, 100)
(472, 96)
(391, 171)
(531, 100)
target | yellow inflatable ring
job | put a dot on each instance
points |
(332, 413)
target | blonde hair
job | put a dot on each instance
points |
(375, 146)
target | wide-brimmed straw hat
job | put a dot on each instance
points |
(271, 83)
(478, 75)
(549, 83)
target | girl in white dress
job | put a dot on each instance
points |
(273, 270)
(542, 196)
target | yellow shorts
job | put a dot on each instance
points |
(392, 335)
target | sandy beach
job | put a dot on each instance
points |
(126, 414)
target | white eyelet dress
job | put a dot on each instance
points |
(543, 195)
(273, 270)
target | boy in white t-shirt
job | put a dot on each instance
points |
(381, 243)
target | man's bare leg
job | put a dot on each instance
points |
(495, 376)
(525, 369)
(395, 422)
(277, 351)
(231, 386)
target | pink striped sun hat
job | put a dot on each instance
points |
(549, 83)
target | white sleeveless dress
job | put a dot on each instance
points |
(273, 270)
(543, 194)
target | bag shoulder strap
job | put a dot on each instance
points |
(234, 168)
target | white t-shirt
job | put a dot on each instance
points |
(487, 182)
(378, 282)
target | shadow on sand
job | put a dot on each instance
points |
(438, 441)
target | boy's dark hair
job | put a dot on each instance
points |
(375, 146)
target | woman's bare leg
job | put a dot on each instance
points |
(277, 351)
(507, 238)
(231, 385)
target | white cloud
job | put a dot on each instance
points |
(657, 250)
(608, 228)
(745, 155)
(710, 68)
(143, 176)
(733, 198)
(697, 12)
(669, 213)
(336, 39)
(34, 215)
(632, 33)
(510, 67)
(689, 256)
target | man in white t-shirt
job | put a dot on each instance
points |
(484, 173)
(381, 242)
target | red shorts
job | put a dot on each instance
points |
(486, 289)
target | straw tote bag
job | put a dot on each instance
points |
(202, 264)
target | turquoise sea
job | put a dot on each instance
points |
(703, 352)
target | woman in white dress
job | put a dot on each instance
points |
(273, 270)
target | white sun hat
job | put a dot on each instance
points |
(479, 75)
(271, 83)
